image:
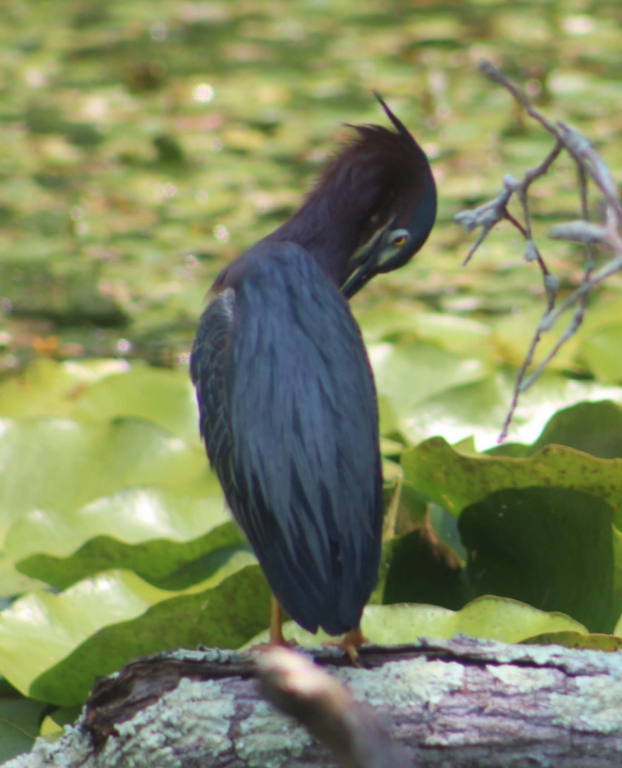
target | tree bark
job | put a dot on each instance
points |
(455, 703)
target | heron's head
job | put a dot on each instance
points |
(403, 221)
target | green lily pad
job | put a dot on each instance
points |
(408, 374)
(510, 450)
(49, 388)
(480, 409)
(391, 470)
(548, 547)
(166, 398)
(591, 427)
(423, 569)
(617, 566)
(40, 629)
(490, 618)
(455, 480)
(594, 428)
(58, 464)
(101, 390)
(386, 320)
(593, 641)
(388, 418)
(52, 647)
(152, 531)
(390, 447)
(618, 628)
(19, 726)
(513, 335)
(13, 583)
(596, 352)
(466, 337)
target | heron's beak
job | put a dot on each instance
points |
(362, 266)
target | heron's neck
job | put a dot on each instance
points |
(329, 226)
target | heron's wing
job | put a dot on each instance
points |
(209, 363)
(304, 479)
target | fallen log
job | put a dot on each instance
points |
(461, 702)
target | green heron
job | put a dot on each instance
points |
(286, 395)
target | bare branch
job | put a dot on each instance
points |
(301, 689)
(495, 74)
(590, 167)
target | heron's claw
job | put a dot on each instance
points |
(350, 643)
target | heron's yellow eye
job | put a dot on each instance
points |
(399, 241)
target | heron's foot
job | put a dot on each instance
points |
(278, 640)
(271, 644)
(350, 643)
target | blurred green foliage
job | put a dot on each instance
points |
(146, 144)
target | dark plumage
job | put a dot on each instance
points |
(286, 395)
(288, 414)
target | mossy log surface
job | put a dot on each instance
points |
(453, 703)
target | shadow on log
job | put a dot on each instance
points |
(462, 702)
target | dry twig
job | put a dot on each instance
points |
(590, 167)
(301, 689)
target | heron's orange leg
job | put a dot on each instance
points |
(350, 643)
(276, 626)
(276, 623)
(276, 629)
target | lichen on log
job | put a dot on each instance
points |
(462, 702)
